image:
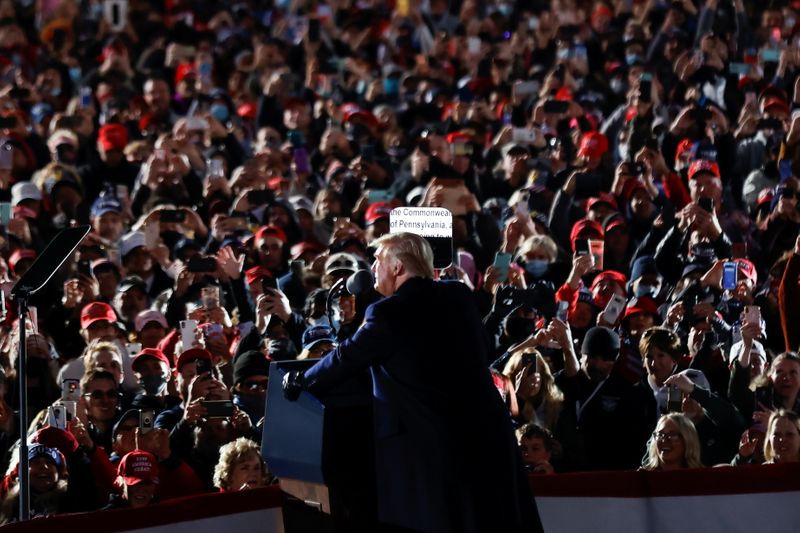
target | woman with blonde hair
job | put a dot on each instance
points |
(241, 467)
(674, 445)
(540, 400)
(782, 444)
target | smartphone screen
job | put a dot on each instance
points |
(502, 261)
(729, 275)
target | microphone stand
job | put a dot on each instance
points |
(22, 368)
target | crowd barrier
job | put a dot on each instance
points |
(710, 500)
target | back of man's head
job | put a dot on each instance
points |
(412, 250)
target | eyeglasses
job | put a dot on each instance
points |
(100, 394)
(253, 385)
(662, 435)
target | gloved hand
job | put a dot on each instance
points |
(293, 385)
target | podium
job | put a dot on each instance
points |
(322, 450)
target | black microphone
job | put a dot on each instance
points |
(360, 282)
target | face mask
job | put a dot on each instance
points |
(536, 267)
(281, 349)
(518, 329)
(505, 9)
(55, 91)
(646, 290)
(219, 112)
(153, 385)
(617, 86)
(630, 59)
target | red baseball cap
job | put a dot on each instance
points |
(138, 466)
(776, 103)
(643, 304)
(113, 137)
(377, 211)
(631, 186)
(192, 354)
(765, 196)
(95, 312)
(748, 269)
(302, 247)
(610, 275)
(275, 231)
(584, 226)
(256, 273)
(593, 145)
(18, 255)
(152, 353)
(703, 165)
(602, 198)
(184, 70)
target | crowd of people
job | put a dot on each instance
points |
(623, 179)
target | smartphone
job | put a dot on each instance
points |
(86, 97)
(674, 399)
(739, 69)
(188, 332)
(563, 311)
(5, 213)
(259, 197)
(706, 203)
(597, 249)
(71, 390)
(268, 285)
(214, 167)
(502, 261)
(134, 348)
(729, 275)
(313, 30)
(614, 308)
(302, 164)
(556, 106)
(210, 297)
(645, 86)
(196, 123)
(526, 88)
(474, 45)
(379, 195)
(523, 135)
(146, 419)
(172, 216)
(116, 14)
(582, 247)
(203, 366)
(70, 406)
(6, 156)
(753, 314)
(152, 233)
(200, 264)
(770, 55)
(218, 408)
(785, 170)
(57, 416)
(122, 192)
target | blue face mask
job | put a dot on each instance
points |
(219, 112)
(645, 290)
(536, 267)
(630, 59)
(55, 91)
(75, 74)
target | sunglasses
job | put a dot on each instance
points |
(99, 395)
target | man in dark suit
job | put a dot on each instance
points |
(446, 456)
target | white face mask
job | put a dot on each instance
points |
(617, 86)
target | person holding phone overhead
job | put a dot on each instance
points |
(437, 449)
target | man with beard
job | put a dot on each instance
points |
(606, 421)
